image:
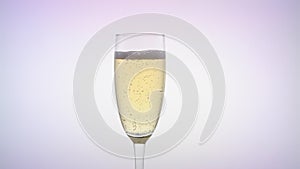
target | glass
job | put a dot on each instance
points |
(139, 84)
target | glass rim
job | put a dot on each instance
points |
(139, 33)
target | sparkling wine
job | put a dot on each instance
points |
(139, 84)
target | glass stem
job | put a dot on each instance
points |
(139, 152)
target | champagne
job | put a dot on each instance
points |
(139, 82)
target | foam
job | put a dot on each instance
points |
(143, 54)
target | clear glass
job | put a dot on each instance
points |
(139, 84)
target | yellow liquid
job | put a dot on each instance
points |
(139, 87)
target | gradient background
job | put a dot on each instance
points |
(256, 42)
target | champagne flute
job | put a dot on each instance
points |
(139, 84)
